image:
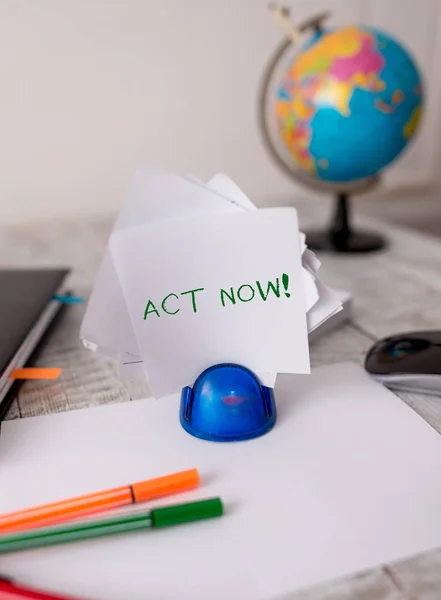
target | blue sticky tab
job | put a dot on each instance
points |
(68, 299)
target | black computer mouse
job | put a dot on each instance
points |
(408, 361)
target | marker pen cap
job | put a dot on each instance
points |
(163, 486)
(184, 513)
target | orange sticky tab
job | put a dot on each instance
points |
(35, 373)
(163, 486)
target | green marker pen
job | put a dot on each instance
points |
(153, 519)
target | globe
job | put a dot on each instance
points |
(335, 107)
(347, 104)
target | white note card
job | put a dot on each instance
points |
(347, 480)
(214, 289)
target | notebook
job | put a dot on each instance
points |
(26, 311)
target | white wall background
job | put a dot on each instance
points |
(91, 88)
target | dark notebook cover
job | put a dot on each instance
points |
(24, 295)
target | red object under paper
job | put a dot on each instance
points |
(10, 591)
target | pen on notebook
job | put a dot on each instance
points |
(12, 591)
(56, 512)
(76, 531)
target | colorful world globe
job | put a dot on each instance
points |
(348, 104)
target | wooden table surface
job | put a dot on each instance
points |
(395, 290)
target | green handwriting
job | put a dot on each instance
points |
(172, 303)
(246, 292)
(166, 307)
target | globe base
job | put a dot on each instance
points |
(340, 237)
(355, 242)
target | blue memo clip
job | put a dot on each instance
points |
(227, 403)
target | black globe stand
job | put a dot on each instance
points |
(340, 237)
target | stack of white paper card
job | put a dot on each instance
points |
(194, 275)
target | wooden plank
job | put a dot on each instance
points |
(87, 380)
(419, 578)
(343, 344)
(428, 407)
(375, 585)
(14, 411)
(394, 290)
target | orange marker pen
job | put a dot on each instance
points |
(57, 512)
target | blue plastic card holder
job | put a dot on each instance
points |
(227, 403)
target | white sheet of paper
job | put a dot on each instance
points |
(311, 291)
(154, 195)
(303, 245)
(131, 368)
(134, 369)
(347, 480)
(227, 188)
(328, 304)
(310, 261)
(156, 260)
